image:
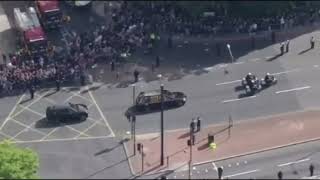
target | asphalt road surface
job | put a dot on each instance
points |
(214, 95)
(293, 161)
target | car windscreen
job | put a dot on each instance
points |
(53, 14)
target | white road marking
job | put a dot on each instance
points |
(311, 177)
(194, 168)
(47, 99)
(237, 164)
(285, 72)
(242, 173)
(268, 57)
(198, 172)
(294, 89)
(245, 162)
(35, 112)
(229, 165)
(174, 177)
(91, 126)
(101, 113)
(23, 109)
(44, 137)
(27, 127)
(13, 109)
(206, 170)
(65, 139)
(315, 66)
(255, 59)
(228, 82)
(214, 166)
(239, 63)
(6, 135)
(238, 99)
(293, 162)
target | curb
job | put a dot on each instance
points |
(259, 151)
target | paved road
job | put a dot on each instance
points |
(293, 161)
(213, 95)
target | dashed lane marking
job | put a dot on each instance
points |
(238, 99)
(228, 82)
(293, 162)
(229, 165)
(245, 162)
(239, 63)
(315, 66)
(12, 111)
(285, 72)
(237, 164)
(242, 173)
(294, 89)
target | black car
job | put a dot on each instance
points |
(66, 113)
(151, 100)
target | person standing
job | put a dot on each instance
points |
(287, 45)
(136, 75)
(312, 42)
(57, 81)
(281, 48)
(31, 89)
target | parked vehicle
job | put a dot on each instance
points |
(49, 13)
(30, 34)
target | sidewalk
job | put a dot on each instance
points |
(245, 137)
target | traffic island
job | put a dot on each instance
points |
(244, 137)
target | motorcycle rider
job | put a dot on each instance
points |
(249, 78)
(268, 78)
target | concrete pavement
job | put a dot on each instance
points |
(244, 138)
(293, 161)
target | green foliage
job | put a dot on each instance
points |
(17, 163)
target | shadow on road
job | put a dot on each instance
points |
(107, 150)
(304, 51)
(44, 123)
(274, 57)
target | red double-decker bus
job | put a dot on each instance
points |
(49, 13)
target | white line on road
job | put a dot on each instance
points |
(214, 166)
(255, 59)
(315, 66)
(229, 165)
(294, 162)
(239, 63)
(231, 100)
(294, 89)
(12, 111)
(242, 173)
(101, 113)
(285, 72)
(229, 82)
(65, 139)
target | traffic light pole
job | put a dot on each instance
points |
(134, 134)
(161, 126)
(190, 160)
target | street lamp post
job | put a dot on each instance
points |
(162, 128)
(133, 120)
(230, 53)
(190, 144)
(161, 122)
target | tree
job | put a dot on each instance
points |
(17, 163)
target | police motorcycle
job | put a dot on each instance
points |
(251, 84)
(269, 80)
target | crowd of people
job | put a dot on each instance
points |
(133, 26)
